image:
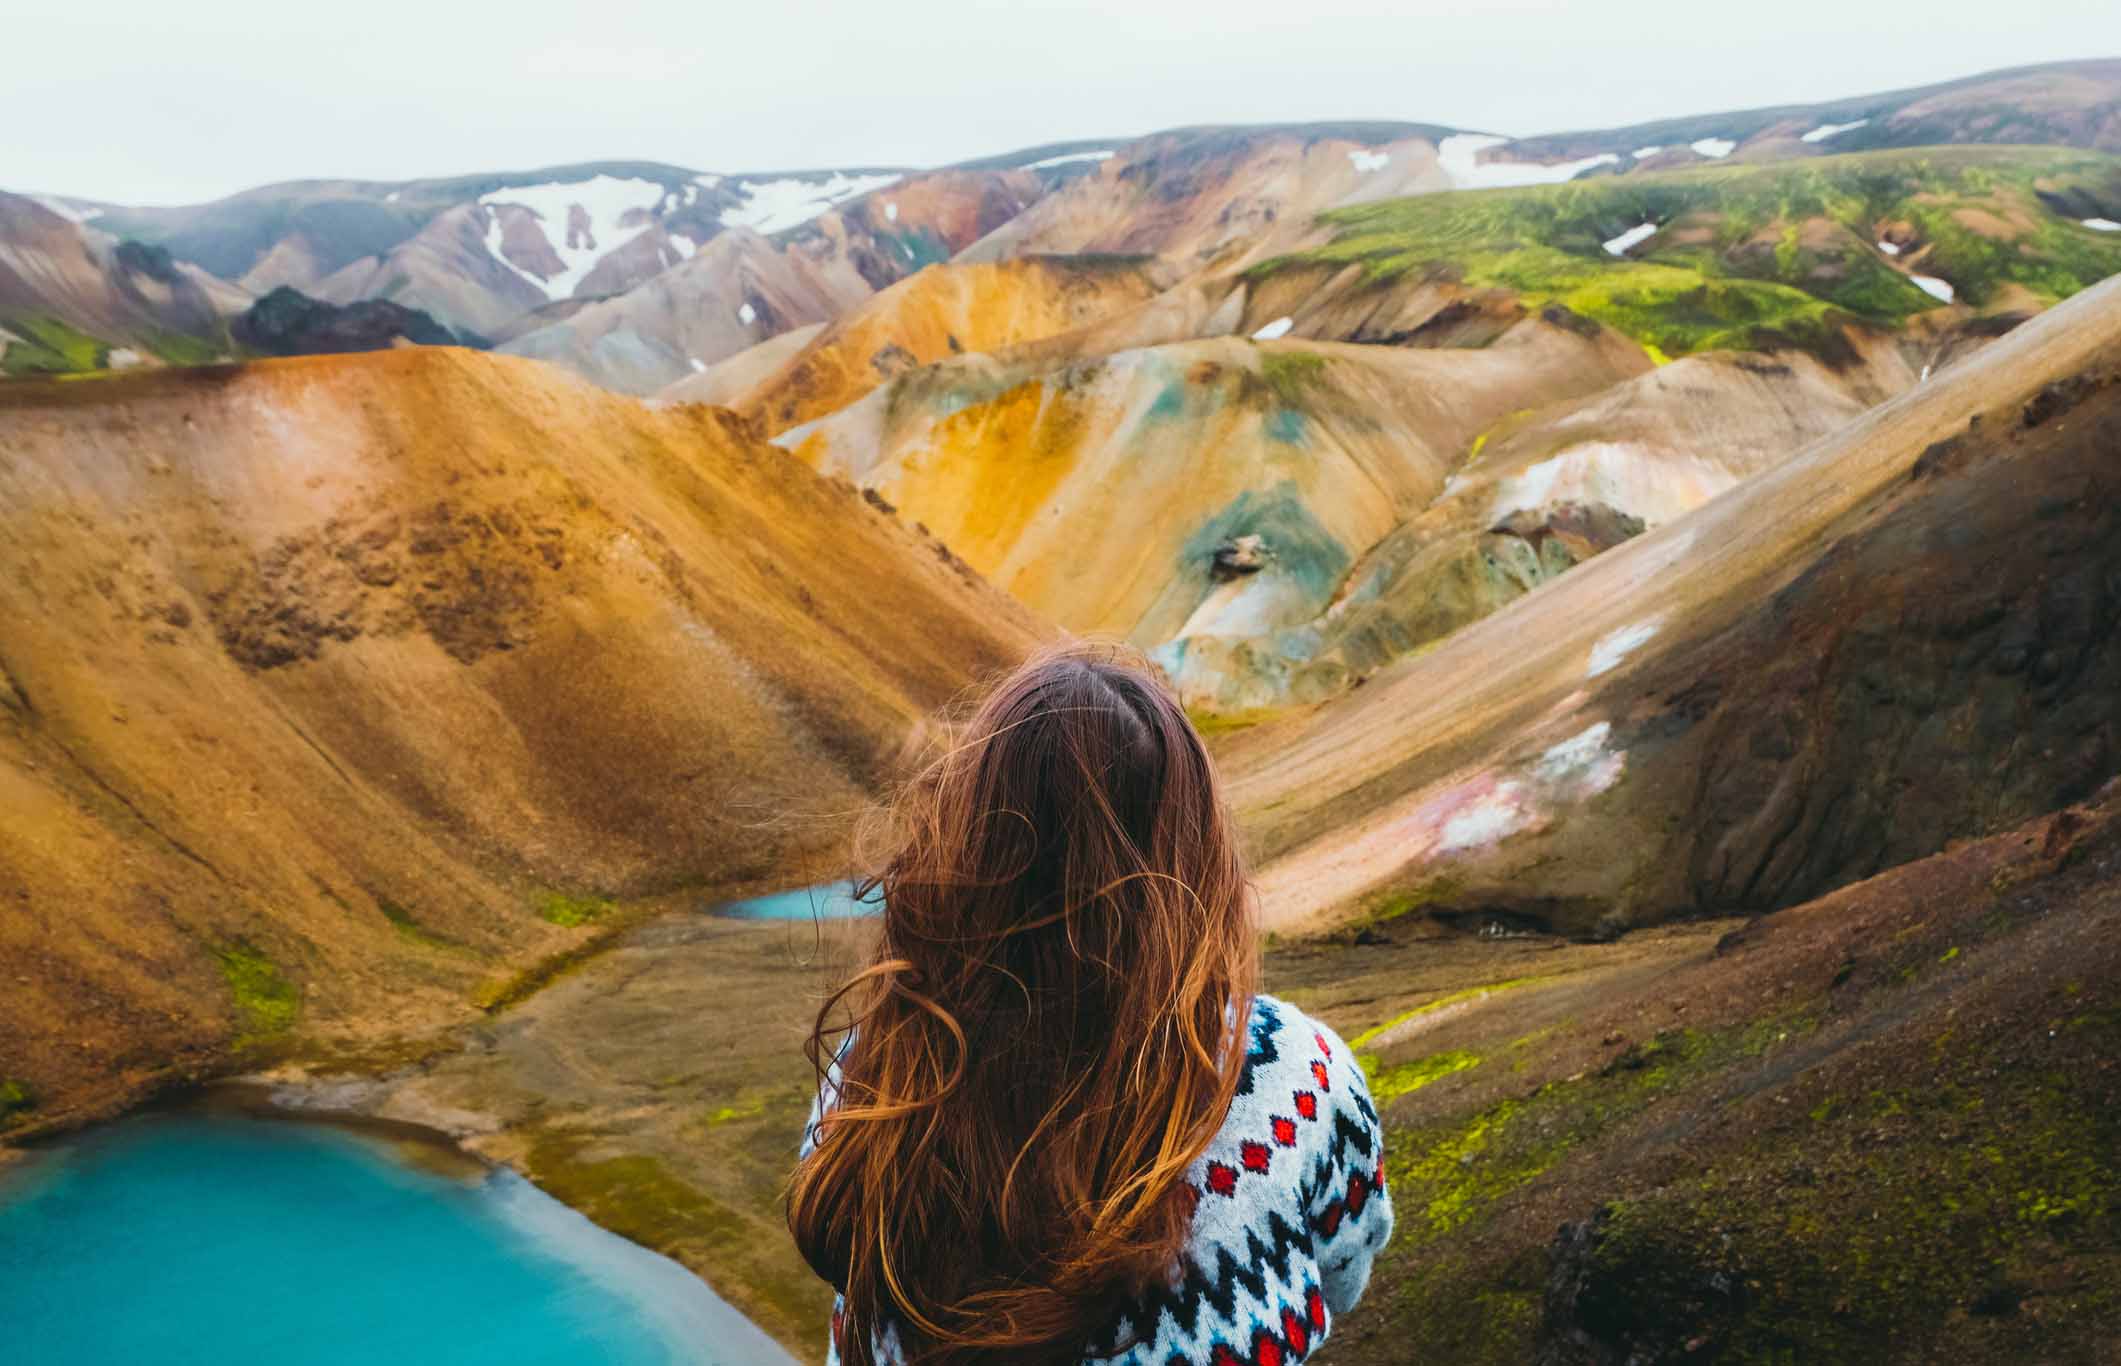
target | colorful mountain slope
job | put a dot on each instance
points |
(333, 692)
(945, 310)
(1180, 456)
(1902, 635)
(1540, 492)
(1800, 292)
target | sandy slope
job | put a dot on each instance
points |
(324, 678)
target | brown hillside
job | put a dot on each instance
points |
(333, 690)
(1901, 635)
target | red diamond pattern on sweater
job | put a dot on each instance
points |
(1296, 1331)
(1307, 1105)
(1318, 1074)
(1255, 1155)
(1285, 1131)
(1222, 1178)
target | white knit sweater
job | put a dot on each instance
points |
(1291, 1211)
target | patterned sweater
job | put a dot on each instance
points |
(1290, 1211)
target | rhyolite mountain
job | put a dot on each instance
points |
(1569, 365)
(343, 688)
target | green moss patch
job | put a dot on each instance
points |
(570, 911)
(1409, 1077)
(1291, 374)
(1427, 1007)
(267, 1001)
(16, 1100)
(409, 927)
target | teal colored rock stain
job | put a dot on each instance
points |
(1286, 425)
(1170, 403)
(1300, 547)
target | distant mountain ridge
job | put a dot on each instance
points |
(595, 265)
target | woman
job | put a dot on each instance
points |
(1062, 1126)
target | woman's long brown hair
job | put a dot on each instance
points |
(1047, 1036)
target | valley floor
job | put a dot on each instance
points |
(1878, 1126)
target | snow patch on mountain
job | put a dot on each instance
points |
(1829, 130)
(1640, 152)
(1714, 147)
(1618, 246)
(1889, 249)
(608, 201)
(2102, 225)
(747, 315)
(772, 206)
(1932, 286)
(1459, 155)
(1615, 646)
(1065, 160)
(1278, 328)
(1367, 162)
(66, 210)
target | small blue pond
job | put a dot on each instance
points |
(181, 1238)
(826, 901)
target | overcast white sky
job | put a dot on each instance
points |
(164, 101)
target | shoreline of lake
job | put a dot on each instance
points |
(427, 1186)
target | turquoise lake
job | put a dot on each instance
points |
(181, 1238)
(827, 901)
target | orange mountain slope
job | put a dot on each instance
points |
(943, 311)
(332, 691)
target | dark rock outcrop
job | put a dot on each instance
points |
(288, 322)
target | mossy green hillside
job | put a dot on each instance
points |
(1752, 256)
(48, 346)
(1984, 1197)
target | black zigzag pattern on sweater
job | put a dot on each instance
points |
(1266, 1023)
(1330, 1172)
(1214, 1288)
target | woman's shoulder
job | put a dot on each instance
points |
(1276, 1019)
(1283, 1041)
